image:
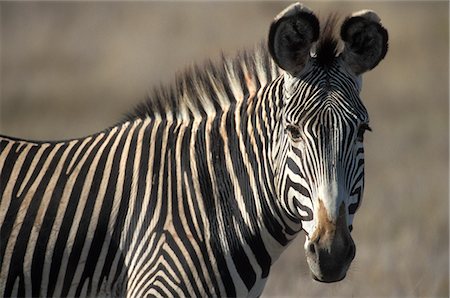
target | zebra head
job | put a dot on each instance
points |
(320, 159)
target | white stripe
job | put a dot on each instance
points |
(7, 194)
(75, 156)
(68, 188)
(82, 200)
(19, 220)
(41, 212)
(92, 224)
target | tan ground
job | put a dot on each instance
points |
(71, 69)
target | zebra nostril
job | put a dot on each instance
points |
(351, 252)
(312, 248)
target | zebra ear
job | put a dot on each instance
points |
(291, 35)
(366, 41)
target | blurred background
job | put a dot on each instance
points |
(73, 68)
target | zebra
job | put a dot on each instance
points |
(199, 190)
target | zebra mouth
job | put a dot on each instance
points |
(326, 270)
(327, 280)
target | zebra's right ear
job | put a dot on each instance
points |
(291, 35)
(366, 41)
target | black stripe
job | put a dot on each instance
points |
(61, 241)
(187, 169)
(278, 230)
(123, 207)
(353, 207)
(248, 194)
(101, 229)
(28, 223)
(16, 269)
(157, 157)
(185, 266)
(151, 269)
(81, 233)
(47, 226)
(207, 194)
(81, 154)
(15, 202)
(179, 226)
(230, 209)
(4, 144)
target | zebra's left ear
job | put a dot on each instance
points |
(290, 37)
(366, 41)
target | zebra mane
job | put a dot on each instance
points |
(328, 46)
(199, 91)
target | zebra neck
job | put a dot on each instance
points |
(238, 148)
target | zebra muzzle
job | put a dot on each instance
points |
(330, 250)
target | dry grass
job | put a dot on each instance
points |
(71, 69)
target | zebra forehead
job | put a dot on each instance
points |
(326, 112)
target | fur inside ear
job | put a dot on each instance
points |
(291, 35)
(366, 41)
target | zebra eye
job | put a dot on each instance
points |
(361, 130)
(294, 132)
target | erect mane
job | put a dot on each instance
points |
(200, 91)
(327, 47)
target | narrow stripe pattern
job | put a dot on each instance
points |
(196, 193)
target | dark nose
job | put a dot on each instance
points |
(329, 260)
(345, 252)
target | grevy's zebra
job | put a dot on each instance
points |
(199, 191)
